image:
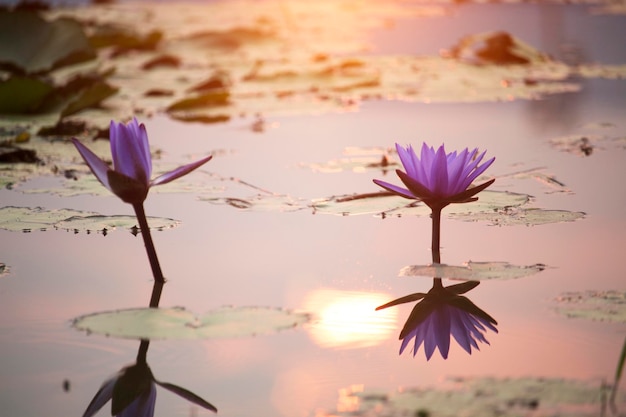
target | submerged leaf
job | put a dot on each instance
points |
(178, 323)
(473, 271)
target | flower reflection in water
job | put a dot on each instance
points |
(443, 312)
(132, 391)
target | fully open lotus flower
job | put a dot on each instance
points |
(437, 178)
(441, 313)
(129, 179)
(133, 393)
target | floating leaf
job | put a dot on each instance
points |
(178, 323)
(359, 160)
(210, 99)
(274, 65)
(486, 396)
(372, 203)
(90, 96)
(21, 94)
(386, 204)
(499, 48)
(100, 222)
(582, 145)
(260, 202)
(32, 44)
(513, 216)
(542, 177)
(607, 305)
(4, 270)
(28, 219)
(472, 271)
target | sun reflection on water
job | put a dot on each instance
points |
(347, 319)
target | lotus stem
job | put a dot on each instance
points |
(147, 239)
(436, 217)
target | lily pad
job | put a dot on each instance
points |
(594, 305)
(32, 44)
(359, 160)
(275, 65)
(23, 94)
(98, 222)
(473, 271)
(516, 216)
(178, 323)
(260, 202)
(550, 181)
(581, 145)
(486, 396)
(26, 219)
(386, 204)
(4, 270)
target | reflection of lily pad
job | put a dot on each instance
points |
(178, 323)
(538, 397)
(594, 305)
(473, 271)
(27, 219)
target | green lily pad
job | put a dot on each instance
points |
(473, 271)
(486, 396)
(23, 94)
(594, 305)
(39, 45)
(26, 219)
(178, 323)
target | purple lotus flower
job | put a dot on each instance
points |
(132, 392)
(129, 179)
(437, 178)
(441, 313)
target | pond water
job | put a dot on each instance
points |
(338, 268)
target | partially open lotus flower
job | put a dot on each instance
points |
(440, 313)
(437, 178)
(129, 178)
